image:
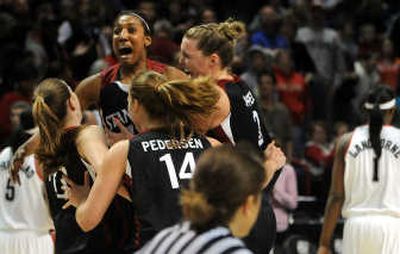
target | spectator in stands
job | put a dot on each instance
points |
(276, 114)
(318, 150)
(268, 36)
(291, 87)
(368, 40)
(208, 15)
(15, 113)
(284, 200)
(163, 48)
(23, 76)
(319, 155)
(368, 77)
(293, 92)
(301, 58)
(388, 65)
(257, 61)
(323, 45)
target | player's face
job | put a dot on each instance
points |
(193, 60)
(266, 85)
(129, 40)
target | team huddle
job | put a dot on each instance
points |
(182, 163)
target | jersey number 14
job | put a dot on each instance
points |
(185, 172)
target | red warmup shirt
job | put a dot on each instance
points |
(319, 155)
(293, 93)
(389, 73)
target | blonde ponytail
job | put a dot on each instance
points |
(231, 29)
(49, 110)
(175, 102)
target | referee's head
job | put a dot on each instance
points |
(225, 189)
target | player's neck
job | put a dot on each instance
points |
(152, 125)
(222, 74)
(128, 72)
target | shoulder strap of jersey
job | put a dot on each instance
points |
(109, 75)
(223, 82)
(156, 66)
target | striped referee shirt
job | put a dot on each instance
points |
(181, 239)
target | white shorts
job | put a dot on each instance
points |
(372, 234)
(26, 242)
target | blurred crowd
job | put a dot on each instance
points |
(309, 61)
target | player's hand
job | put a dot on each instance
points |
(274, 160)
(323, 250)
(19, 156)
(113, 137)
(75, 194)
(274, 157)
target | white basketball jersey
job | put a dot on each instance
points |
(365, 195)
(24, 206)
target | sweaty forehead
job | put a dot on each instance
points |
(189, 45)
(128, 20)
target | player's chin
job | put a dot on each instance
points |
(126, 60)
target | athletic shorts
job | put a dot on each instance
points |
(372, 234)
(26, 242)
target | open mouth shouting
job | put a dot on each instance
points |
(125, 52)
(186, 71)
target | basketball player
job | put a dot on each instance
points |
(161, 157)
(108, 90)
(215, 213)
(25, 221)
(365, 182)
(208, 50)
(67, 147)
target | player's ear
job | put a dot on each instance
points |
(215, 59)
(147, 41)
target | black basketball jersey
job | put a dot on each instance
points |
(69, 237)
(160, 166)
(245, 121)
(114, 95)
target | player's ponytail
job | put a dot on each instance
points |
(217, 38)
(375, 127)
(379, 100)
(49, 110)
(176, 102)
(184, 99)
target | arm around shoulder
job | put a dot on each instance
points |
(213, 142)
(91, 144)
(174, 73)
(88, 91)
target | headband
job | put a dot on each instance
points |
(145, 25)
(383, 106)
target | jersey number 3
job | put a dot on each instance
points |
(185, 172)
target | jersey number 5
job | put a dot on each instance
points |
(185, 172)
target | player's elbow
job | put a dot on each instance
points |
(336, 198)
(87, 223)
